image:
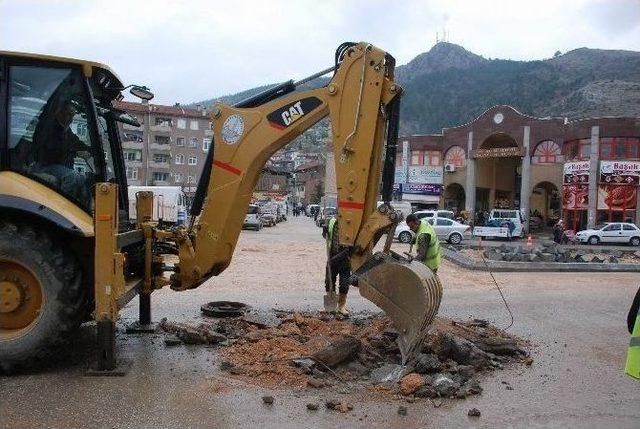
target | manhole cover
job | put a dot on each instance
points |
(224, 309)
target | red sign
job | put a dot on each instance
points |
(620, 172)
(575, 197)
(576, 172)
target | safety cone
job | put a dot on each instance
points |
(529, 241)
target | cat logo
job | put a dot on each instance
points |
(293, 114)
(287, 115)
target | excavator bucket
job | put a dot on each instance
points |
(408, 292)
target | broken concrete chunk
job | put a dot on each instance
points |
(338, 351)
(427, 363)
(474, 412)
(445, 386)
(262, 319)
(312, 407)
(461, 350)
(402, 410)
(267, 400)
(315, 383)
(171, 340)
(305, 363)
(387, 373)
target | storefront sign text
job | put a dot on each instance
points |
(422, 189)
(620, 172)
(497, 152)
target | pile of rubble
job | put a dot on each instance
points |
(549, 251)
(319, 350)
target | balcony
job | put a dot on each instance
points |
(136, 163)
(160, 146)
(132, 145)
(161, 182)
(208, 133)
(132, 127)
(160, 128)
(159, 165)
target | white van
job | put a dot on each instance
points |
(169, 203)
(492, 229)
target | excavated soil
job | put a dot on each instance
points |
(319, 350)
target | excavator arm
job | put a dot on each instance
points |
(362, 103)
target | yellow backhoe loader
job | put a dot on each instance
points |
(68, 252)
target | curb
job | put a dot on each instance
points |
(499, 266)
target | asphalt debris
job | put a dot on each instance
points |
(267, 400)
(474, 412)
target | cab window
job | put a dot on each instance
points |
(49, 137)
(612, 227)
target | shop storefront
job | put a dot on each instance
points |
(618, 191)
(575, 194)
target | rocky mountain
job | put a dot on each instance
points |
(449, 85)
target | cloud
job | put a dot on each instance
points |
(193, 50)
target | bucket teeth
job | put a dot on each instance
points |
(408, 292)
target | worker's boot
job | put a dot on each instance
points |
(342, 304)
(330, 302)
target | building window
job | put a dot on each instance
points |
(619, 147)
(132, 155)
(160, 158)
(432, 158)
(179, 159)
(160, 176)
(206, 142)
(193, 125)
(577, 150)
(162, 139)
(163, 122)
(182, 123)
(133, 136)
(177, 177)
(191, 179)
(417, 157)
(547, 152)
(193, 160)
(193, 142)
(455, 156)
(180, 141)
(132, 173)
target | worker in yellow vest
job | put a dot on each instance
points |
(427, 243)
(633, 355)
(338, 264)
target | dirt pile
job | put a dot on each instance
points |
(318, 350)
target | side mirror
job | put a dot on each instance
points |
(141, 92)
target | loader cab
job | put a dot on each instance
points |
(57, 126)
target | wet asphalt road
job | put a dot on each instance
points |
(575, 321)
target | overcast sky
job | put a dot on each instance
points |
(192, 50)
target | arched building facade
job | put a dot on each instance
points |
(585, 171)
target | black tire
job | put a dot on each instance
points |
(593, 240)
(405, 237)
(455, 238)
(635, 241)
(64, 299)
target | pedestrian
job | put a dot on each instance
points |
(338, 264)
(427, 243)
(632, 368)
(558, 231)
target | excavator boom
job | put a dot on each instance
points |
(362, 103)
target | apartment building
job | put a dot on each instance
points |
(170, 146)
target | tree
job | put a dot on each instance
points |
(318, 193)
(557, 54)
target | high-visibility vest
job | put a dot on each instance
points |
(633, 354)
(432, 258)
(330, 228)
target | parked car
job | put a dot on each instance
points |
(325, 214)
(446, 229)
(502, 223)
(311, 209)
(611, 232)
(268, 219)
(252, 219)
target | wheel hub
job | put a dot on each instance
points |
(20, 299)
(10, 296)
